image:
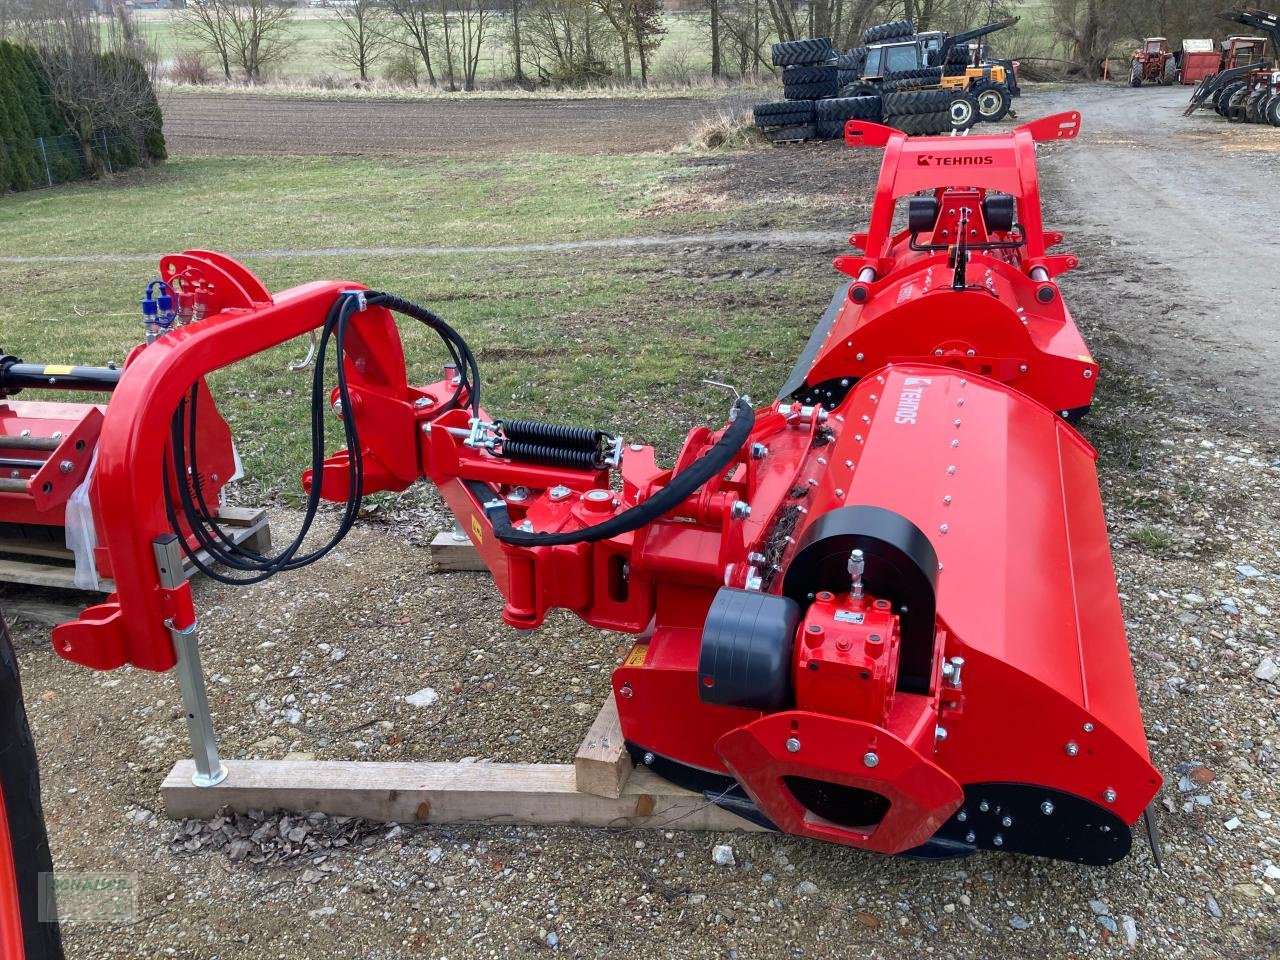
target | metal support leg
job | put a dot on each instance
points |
(186, 643)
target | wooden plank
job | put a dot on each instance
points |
(36, 548)
(451, 554)
(247, 525)
(493, 793)
(45, 614)
(602, 764)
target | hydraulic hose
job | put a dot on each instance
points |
(681, 486)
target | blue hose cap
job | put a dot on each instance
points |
(166, 303)
(150, 308)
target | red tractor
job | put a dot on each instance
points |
(878, 610)
(1153, 62)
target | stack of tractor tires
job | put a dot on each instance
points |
(920, 112)
(849, 65)
(809, 70)
(1238, 103)
(785, 120)
(884, 32)
(832, 115)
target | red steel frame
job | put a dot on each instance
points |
(1002, 487)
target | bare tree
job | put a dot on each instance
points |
(261, 33)
(414, 28)
(362, 35)
(463, 24)
(103, 93)
(209, 27)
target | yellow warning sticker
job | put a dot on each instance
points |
(1084, 358)
(636, 657)
(57, 369)
(477, 529)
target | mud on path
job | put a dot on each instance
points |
(1182, 213)
(239, 124)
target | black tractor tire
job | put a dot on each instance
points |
(811, 91)
(831, 129)
(917, 101)
(1135, 75)
(812, 50)
(883, 32)
(1253, 106)
(925, 75)
(1222, 98)
(1236, 104)
(854, 59)
(963, 111)
(1271, 112)
(859, 88)
(994, 100)
(921, 124)
(792, 131)
(958, 55)
(955, 70)
(813, 73)
(846, 77)
(780, 112)
(20, 783)
(848, 108)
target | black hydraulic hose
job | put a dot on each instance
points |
(459, 350)
(681, 486)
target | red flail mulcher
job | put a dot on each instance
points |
(879, 610)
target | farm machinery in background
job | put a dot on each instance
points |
(1246, 86)
(878, 610)
(1153, 62)
(920, 83)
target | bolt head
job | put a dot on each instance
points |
(1046, 807)
(962, 816)
(422, 402)
(625, 691)
(998, 840)
(939, 733)
(984, 806)
(759, 451)
(859, 358)
(648, 759)
(1109, 795)
(1088, 374)
(1006, 821)
(66, 466)
(793, 745)
(1088, 728)
(869, 759)
(1072, 748)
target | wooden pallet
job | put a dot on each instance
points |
(600, 789)
(45, 563)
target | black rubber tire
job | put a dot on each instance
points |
(958, 55)
(882, 32)
(1235, 105)
(1253, 106)
(1135, 76)
(1272, 111)
(830, 129)
(917, 101)
(931, 74)
(848, 108)
(20, 781)
(792, 131)
(921, 124)
(1223, 97)
(812, 50)
(963, 111)
(854, 59)
(811, 91)
(765, 113)
(820, 73)
(955, 70)
(989, 92)
(897, 86)
(859, 88)
(845, 77)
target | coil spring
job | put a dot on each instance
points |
(549, 456)
(553, 435)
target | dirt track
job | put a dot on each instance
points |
(249, 124)
(1191, 203)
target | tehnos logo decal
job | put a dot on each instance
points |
(909, 399)
(929, 160)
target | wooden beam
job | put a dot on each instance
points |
(451, 554)
(494, 793)
(39, 612)
(602, 764)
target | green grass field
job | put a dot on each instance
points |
(586, 338)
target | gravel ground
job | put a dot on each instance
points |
(320, 663)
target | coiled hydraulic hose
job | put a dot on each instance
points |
(186, 479)
(681, 486)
